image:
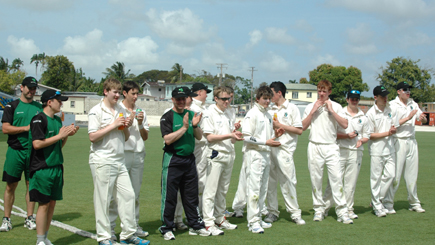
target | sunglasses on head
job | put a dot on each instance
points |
(56, 94)
(355, 92)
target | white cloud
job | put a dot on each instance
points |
(361, 49)
(279, 35)
(326, 59)
(414, 39)
(22, 48)
(176, 49)
(360, 40)
(302, 25)
(256, 37)
(40, 5)
(275, 63)
(137, 50)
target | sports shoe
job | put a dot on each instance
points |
(30, 223)
(169, 236)
(214, 231)
(389, 211)
(417, 209)
(299, 221)
(345, 219)
(227, 225)
(48, 242)
(135, 240)
(113, 238)
(352, 215)
(318, 217)
(104, 242)
(265, 225)
(256, 228)
(270, 218)
(40, 243)
(238, 213)
(379, 213)
(141, 233)
(201, 232)
(181, 226)
(6, 224)
(326, 213)
(228, 214)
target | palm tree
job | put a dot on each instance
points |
(4, 64)
(177, 69)
(35, 58)
(16, 64)
(43, 60)
(39, 59)
(117, 71)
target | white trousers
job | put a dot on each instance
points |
(282, 170)
(406, 164)
(201, 153)
(239, 202)
(113, 179)
(350, 164)
(320, 155)
(134, 162)
(382, 172)
(258, 166)
(178, 215)
(216, 187)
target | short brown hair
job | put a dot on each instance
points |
(264, 91)
(112, 83)
(221, 89)
(324, 84)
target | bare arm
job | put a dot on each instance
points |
(289, 129)
(7, 128)
(307, 121)
(235, 135)
(63, 135)
(341, 121)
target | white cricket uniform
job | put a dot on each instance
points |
(106, 160)
(257, 124)
(200, 152)
(134, 162)
(406, 153)
(323, 150)
(382, 153)
(219, 168)
(282, 167)
(350, 157)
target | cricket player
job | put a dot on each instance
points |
(16, 124)
(325, 116)
(407, 111)
(108, 131)
(282, 168)
(351, 142)
(46, 139)
(383, 125)
(179, 129)
(217, 128)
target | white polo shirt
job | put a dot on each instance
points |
(197, 106)
(401, 110)
(217, 122)
(257, 123)
(360, 123)
(288, 114)
(111, 147)
(380, 122)
(231, 115)
(135, 142)
(323, 124)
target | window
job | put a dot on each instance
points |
(73, 104)
(295, 95)
(309, 95)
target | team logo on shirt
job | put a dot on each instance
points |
(285, 114)
(360, 121)
(36, 121)
(20, 112)
(389, 114)
(412, 108)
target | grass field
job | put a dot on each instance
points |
(77, 207)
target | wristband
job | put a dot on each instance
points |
(194, 126)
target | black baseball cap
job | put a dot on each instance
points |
(380, 90)
(52, 94)
(180, 92)
(354, 94)
(199, 86)
(30, 82)
(402, 85)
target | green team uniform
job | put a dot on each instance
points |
(46, 169)
(19, 114)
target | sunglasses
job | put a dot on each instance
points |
(355, 92)
(55, 95)
(406, 90)
(225, 98)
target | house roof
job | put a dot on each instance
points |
(300, 86)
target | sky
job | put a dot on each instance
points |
(282, 40)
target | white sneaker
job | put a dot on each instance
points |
(345, 219)
(390, 211)
(270, 218)
(169, 236)
(113, 238)
(201, 232)
(48, 242)
(265, 225)
(256, 228)
(228, 214)
(417, 209)
(379, 213)
(238, 213)
(214, 231)
(141, 233)
(40, 243)
(6, 224)
(30, 223)
(299, 221)
(318, 217)
(181, 226)
(352, 215)
(227, 225)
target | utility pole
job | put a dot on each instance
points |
(252, 84)
(221, 66)
(181, 73)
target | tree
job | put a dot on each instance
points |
(78, 80)
(303, 80)
(292, 81)
(88, 85)
(59, 73)
(39, 59)
(16, 64)
(407, 70)
(9, 80)
(4, 64)
(242, 91)
(117, 71)
(343, 79)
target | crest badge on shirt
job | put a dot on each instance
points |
(389, 114)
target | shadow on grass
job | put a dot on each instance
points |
(67, 217)
(71, 239)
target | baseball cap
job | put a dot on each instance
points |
(30, 82)
(52, 94)
(199, 86)
(380, 90)
(180, 92)
(402, 85)
(354, 94)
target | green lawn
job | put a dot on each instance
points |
(77, 208)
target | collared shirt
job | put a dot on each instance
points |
(111, 147)
(380, 122)
(258, 124)
(135, 142)
(406, 130)
(217, 122)
(323, 124)
(358, 123)
(231, 115)
(287, 114)
(198, 106)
